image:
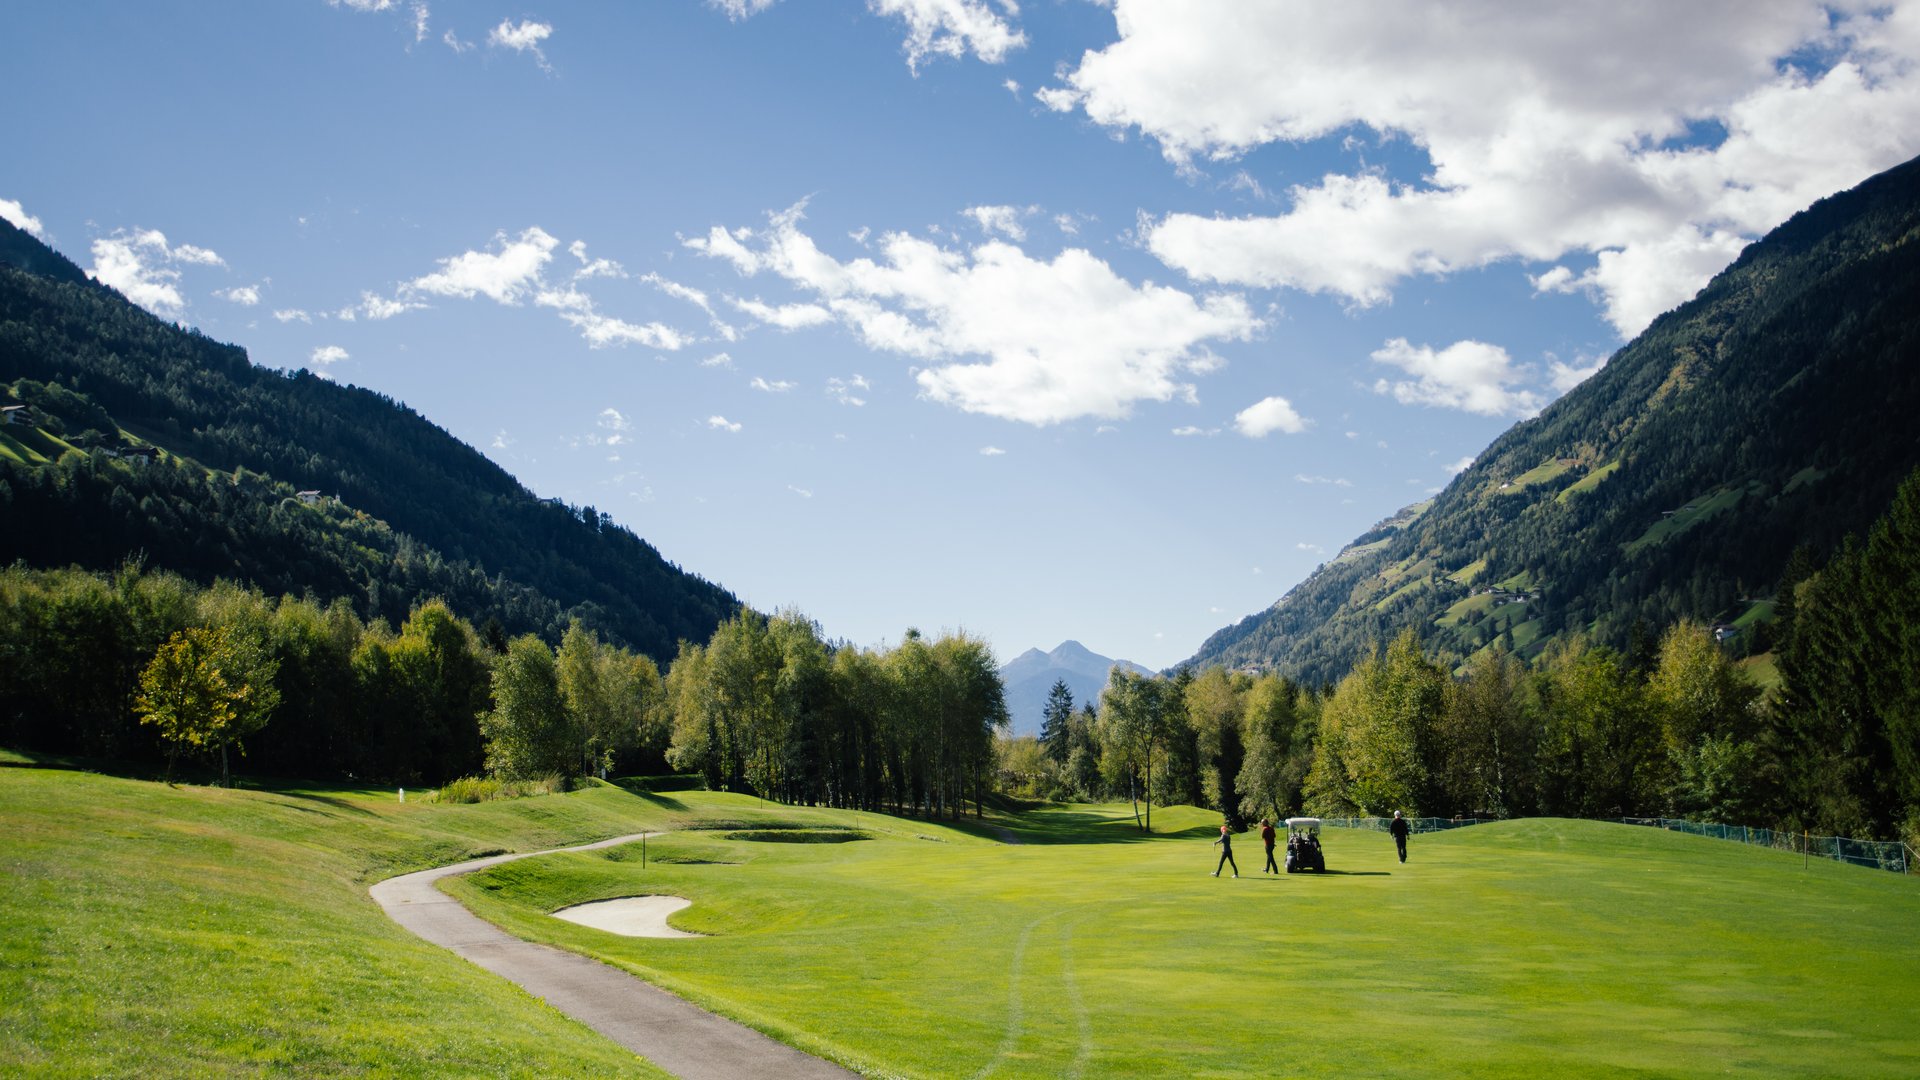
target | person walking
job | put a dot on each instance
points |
(1266, 837)
(1400, 829)
(1226, 853)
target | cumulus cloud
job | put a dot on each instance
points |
(953, 28)
(1266, 416)
(1460, 466)
(503, 275)
(18, 216)
(524, 36)
(1469, 375)
(244, 295)
(327, 355)
(140, 263)
(1659, 139)
(1004, 220)
(999, 332)
(721, 423)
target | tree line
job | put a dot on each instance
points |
(146, 665)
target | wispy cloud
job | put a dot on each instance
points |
(524, 36)
(779, 386)
(721, 423)
(846, 391)
(991, 451)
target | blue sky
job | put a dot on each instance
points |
(1107, 321)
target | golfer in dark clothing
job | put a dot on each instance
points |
(1400, 829)
(1226, 853)
(1266, 837)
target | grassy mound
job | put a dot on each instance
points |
(191, 931)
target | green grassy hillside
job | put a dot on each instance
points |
(1773, 410)
(155, 931)
(206, 931)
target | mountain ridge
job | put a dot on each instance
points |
(1772, 410)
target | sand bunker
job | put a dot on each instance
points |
(633, 916)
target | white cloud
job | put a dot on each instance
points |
(139, 264)
(1266, 416)
(501, 441)
(1547, 131)
(364, 5)
(779, 386)
(244, 295)
(503, 275)
(1004, 220)
(198, 256)
(1460, 466)
(718, 359)
(327, 355)
(593, 268)
(843, 390)
(453, 42)
(1012, 86)
(613, 420)
(1315, 548)
(1469, 375)
(577, 308)
(524, 36)
(721, 423)
(1336, 481)
(292, 315)
(953, 28)
(379, 307)
(741, 9)
(679, 292)
(783, 316)
(1190, 430)
(1564, 377)
(1056, 340)
(800, 491)
(25, 222)
(992, 451)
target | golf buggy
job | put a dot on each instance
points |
(1303, 846)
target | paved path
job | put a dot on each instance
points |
(679, 1037)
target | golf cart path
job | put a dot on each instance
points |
(679, 1037)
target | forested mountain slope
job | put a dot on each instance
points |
(412, 512)
(1778, 408)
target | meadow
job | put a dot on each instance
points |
(196, 930)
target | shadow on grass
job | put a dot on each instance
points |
(1056, 824)
(644, 788)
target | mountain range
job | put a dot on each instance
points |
(1772, 413)
(132, 438)
(1029, 678)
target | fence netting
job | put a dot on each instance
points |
(1878, 854)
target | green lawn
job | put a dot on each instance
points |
(193, 931)
(1524, 949)
(197, 931)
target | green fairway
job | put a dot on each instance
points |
(1539, 948)
(191, 931)
(198, 931)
